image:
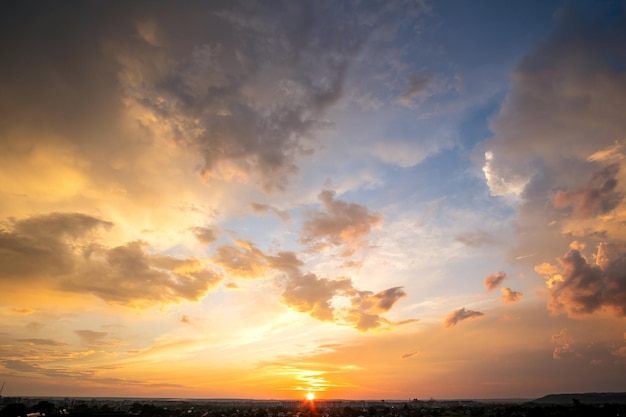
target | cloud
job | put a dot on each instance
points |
(510, 296)
(242, 260)
(264, 208)
(23, 311)
(327, 299)
(417, 84)
(557, 141)
(61, 250)
(42, 342)
(410, 355)
(342, 224)
(477, 238)
(214, 93)
(462, 314)
(43, 245)
(580, 287)
(91, 337)
(366, 308)
(204, 235)
(129, 275)
(564, 344)
(620, 351)
(598, 197)
(493, 280)
(308, 293)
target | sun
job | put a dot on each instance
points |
(310, 396)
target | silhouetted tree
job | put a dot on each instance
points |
(44, 407)
(13, 410)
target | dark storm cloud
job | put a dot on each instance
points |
(587, 287)
(342, 224)
(61, 250)
(462, 314)
(493, 280)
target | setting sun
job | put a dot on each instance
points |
(310, 396)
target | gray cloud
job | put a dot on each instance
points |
(459, 315)
(477, 238)
(559, 135)
(583, 287)
(493, 280)
(41, 245)
(417, 84)
(264, 208)
(247, 88)
(130, 275)
(597, 197)
(249, 94)
(61, 250)
(204, 235)
(342, 224)
(410, 354)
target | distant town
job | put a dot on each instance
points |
(578, 405)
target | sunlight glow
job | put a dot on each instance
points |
(310, 396)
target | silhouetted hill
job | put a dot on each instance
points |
(584, 398)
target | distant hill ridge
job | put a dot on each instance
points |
(584, 398)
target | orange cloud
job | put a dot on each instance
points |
(510, 296)
(493, 280)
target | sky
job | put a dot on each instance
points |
(359, 199)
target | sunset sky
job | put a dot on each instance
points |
(361, 199)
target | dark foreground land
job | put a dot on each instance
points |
(574, 405)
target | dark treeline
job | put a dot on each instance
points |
(414, 408)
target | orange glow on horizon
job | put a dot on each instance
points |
(310, 396)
